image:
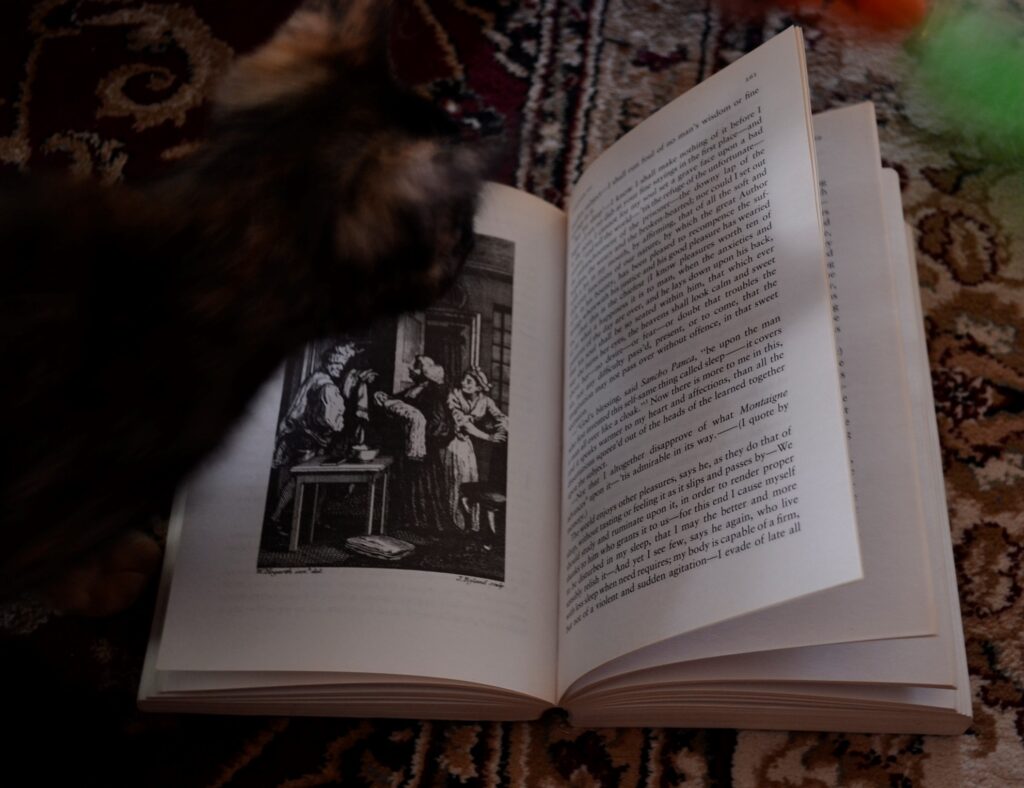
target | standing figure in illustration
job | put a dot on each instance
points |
(326, 414)
(474, 415)
(421, 500)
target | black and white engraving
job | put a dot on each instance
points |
(391, 444)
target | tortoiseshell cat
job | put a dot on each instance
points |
(136, 323)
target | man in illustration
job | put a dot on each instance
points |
(327, 415)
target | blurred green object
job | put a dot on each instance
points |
(971, 65)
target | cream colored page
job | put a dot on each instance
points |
(706, 472)
(929, 452)
(902, 517)
(873, 279)
(896, 599)
(223, 615)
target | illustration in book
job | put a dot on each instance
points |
(391, 444)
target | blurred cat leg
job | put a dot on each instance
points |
(109, 579)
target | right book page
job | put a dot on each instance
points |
(706, 472)
(900, 514)
(928, 451)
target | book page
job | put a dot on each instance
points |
(900, 503)
(926, 432)
(356, 523)
(706, 469)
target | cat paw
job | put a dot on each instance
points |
(110, 580)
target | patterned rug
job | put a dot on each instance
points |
(114, 89)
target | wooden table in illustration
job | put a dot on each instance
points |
(317, 472)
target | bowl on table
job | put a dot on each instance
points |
(364, 453)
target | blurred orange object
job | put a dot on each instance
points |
(881, 14)
(891, 13)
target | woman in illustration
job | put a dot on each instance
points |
(420, 409)
(474, 415)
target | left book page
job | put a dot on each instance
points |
(390, 504)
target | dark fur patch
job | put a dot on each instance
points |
(136, 324)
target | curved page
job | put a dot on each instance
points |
(706, 471)
(375, 516)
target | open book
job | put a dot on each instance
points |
(667, 459)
